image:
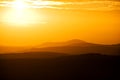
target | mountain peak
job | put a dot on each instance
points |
(66, 43)
(76, 41)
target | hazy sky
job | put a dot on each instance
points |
(32, 22)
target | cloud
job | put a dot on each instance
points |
(84, 5)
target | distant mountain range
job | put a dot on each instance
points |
(11, 49)
(71, 47)
(76, 46)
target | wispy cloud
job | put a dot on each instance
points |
(85, 5)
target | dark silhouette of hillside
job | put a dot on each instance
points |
(71, 67)
(76, 46)
(71, 47)
(70, 60)
(32, 55)
(12, 49)
(66, 43)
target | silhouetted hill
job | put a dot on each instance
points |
(77, 47)
(66, 43)
(74, 67)
(71, 47)
(12, 49)
(31, 55)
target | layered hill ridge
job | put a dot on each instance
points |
(73, 42)
(71, 47)
(77, 46)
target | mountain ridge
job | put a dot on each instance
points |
(76, 46)
(71, 47)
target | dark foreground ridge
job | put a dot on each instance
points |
(72, 67)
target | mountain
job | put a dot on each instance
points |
(76, 46)
(11, 49)
(71, 47)
(66, 43)
(31, 55)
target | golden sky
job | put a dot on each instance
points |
(32, 22)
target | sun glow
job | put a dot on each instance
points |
(19, 5)
(20, 14)
(20, 18)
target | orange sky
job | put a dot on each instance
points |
(96, 26)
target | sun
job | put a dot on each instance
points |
(21, 18)
(19, 4)
(20, 14)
